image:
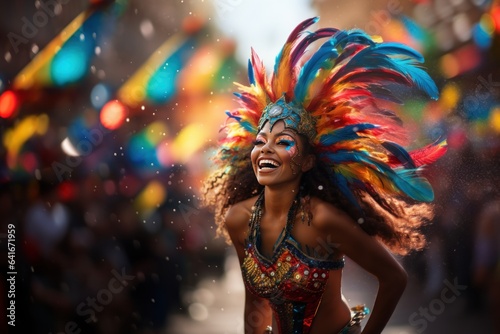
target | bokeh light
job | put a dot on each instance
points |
(450, 96)
(494, 120)
(151, 197)
(15, 138)
(99, 95)
(155, 132)
(68, 148)
(68, 66)
(142, 153)
(9, 103)
(191, 138)
(113, 114)
(495, 14)
(164, 154)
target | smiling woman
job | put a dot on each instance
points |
(327, 162)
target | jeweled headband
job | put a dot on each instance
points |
(294, 117)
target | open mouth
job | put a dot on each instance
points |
(268, 164)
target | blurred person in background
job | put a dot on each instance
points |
(486, 264)
(313, 169)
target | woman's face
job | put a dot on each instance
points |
(278, 155)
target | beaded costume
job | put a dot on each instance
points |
(291, 280)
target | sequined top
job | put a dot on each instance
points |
(291, 280)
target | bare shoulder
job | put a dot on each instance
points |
(239, 214)
(327, 216)
(237, 218)
(331, 220)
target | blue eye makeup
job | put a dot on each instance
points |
(286, 141)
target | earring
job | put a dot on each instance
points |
(305, 212)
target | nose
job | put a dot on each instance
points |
(266, 148)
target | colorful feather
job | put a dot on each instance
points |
(425, 155)
(400, 154)
(349, 85)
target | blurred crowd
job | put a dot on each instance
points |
(463, 239)
(87, 260)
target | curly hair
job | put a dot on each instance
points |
(395, 221)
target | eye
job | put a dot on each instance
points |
(258, 142)
(286, 142)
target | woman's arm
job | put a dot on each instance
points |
(257, 314)
(373, 257)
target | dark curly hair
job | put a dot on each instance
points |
(396, 221)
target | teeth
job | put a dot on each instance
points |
(264, 162)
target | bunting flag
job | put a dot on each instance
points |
(66, 59)
(155, 82)
(63, 62)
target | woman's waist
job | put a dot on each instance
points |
(313, 318)
(332, 315)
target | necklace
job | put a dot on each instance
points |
(256, 216)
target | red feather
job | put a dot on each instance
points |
(423, 156)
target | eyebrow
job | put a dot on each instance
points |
(285, 132)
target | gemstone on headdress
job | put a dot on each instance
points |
(275, 111)
(294, 116)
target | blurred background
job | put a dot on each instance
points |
(109, 112)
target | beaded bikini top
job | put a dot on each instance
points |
(291, 280)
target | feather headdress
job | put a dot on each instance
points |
(345, 87)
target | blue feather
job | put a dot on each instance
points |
(245, 124)
(251, 77)
(230, 115)
(384, 94)
(326, 56)
(248, 126)
(421, 78)
(307, 40)
(343, 184)
(406, 180)
(378, 57)
(398, 49)
(408, 65)
(322, 58)
(300, 28)
(344, 156)
(416, 187)
(353, 36)
(243, 97)
(348, 132)
(400, 153)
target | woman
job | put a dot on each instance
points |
(312, 169)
